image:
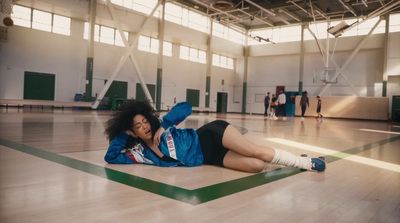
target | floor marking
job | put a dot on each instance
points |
(241, 118)
(379, 131)
(194, 197)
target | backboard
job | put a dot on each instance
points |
(325, 76)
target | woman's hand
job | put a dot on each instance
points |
(157, 136)
(130, 132)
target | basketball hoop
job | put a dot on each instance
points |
(325, 76)
(6, 6)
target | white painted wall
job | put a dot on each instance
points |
(269, 65)
(278, 64)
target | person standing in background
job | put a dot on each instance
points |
(267, 100)
(319, 104)
(274, 103)
(282, 104)
(303, 104)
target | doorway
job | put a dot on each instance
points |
(278, 90)
(140, 96)
(39, 86)
(193, 97)
(222, 102)
(118, 89)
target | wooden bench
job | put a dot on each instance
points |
(62, 104)
(202, 109)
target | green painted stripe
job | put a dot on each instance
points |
(244, 97)
(359, 149)
(208, 87)
(216, 191)
(384, 89)
(194, 197)
(300, 88)
(114, 175)
(89, 79)
(159, 86)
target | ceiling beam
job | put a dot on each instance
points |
(233, 10)
(261, 8)
(259, 19)
(269, 11)
(317, 9)
(348, 7)
(301, 8)
(364, 2)
(292, 15)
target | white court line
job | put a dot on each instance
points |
(396, 126)
(346, 156)
(378, 131)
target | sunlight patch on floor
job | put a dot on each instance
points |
(379, 131)
(342, 155)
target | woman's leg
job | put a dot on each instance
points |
(235, 141)
(250, 152)
(236, 161)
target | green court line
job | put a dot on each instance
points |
(341, 155)
(194, 197)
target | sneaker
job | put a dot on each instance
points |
(318, 164)
(302, 119)
(275, 118)
(284, 118)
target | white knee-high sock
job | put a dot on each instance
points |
(285, 158)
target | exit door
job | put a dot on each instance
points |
(193, 97)
(39, 86)
(222, 102)
(278, 90)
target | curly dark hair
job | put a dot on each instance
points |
(123, 120)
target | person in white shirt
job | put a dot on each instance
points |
(282, 104)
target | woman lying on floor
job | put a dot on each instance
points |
(138, 136)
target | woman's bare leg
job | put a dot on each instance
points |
(236, 142)
(236, 161)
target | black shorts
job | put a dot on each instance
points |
(210, 137)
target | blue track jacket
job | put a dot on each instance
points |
(186, 141)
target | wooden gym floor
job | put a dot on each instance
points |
(52, 170)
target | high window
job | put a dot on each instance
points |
(105, 34)
(40, 20)
(223, 61)
(227, 33)
(150, 45)
(192, 54)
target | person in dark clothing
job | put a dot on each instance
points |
(319, 104)
(282, 104)
(274, 103)
(303, 104)
(267, 100)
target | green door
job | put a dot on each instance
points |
(118, 89)
(193, 97)
(39, 86)
(222, 102)
(140, 96)
(396, 108)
